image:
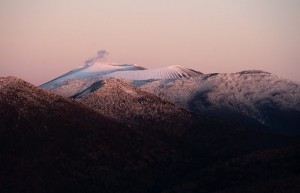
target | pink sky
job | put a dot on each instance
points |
(41, 39)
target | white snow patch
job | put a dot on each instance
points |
(169, 72)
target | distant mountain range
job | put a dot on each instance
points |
(123, 128)
(254, 97)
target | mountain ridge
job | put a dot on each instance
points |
(252, 94)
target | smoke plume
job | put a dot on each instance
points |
(101, 55)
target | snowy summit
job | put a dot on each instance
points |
(123, 71)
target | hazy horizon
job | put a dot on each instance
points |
(41, 39)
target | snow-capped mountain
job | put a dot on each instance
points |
(242, 97)
(123, 71)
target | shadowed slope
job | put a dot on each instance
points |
(268, 171)
(52, 144)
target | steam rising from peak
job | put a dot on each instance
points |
(101, 56)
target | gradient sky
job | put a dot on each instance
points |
(42, 39)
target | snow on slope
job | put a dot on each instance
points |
(169, 72)
(97, 69)
(124, 71)
(258, 95)
(126, 103)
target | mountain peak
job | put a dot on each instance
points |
(9, 79)
(11, 82)
(129, 104)
(100, 69)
